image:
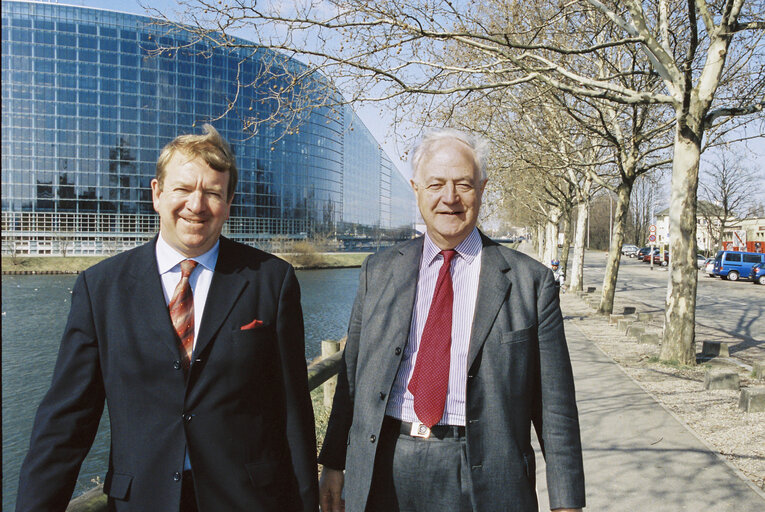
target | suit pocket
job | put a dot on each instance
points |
(117, 485)
(261, 332)
(518, 335)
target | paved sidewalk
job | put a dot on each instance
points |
(637, 456)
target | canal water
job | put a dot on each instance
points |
(34, 311)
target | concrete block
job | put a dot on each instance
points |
(614, 319)
(651, 338)
(758, 370)
(715, 348)
(624, 323)
(591, 289)
(636, 330)
(721, 379)
(752, 399)
(646, 317)
(629, 310)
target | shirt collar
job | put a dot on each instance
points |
(468, 249)
(168, 258)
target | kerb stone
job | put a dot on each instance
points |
(752, 399)
(715, 348)
(721, 379)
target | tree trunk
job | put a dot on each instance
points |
(551, 237)
(614, 256)
(540, 236)
(577, 265)
(564, 252)
(678, 343)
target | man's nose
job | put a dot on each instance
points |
(449, 194)
(195, 201)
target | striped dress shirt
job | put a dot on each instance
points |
(465, 271)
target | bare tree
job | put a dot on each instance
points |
(395, 49)
(726, 186)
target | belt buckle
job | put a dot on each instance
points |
(419, 429)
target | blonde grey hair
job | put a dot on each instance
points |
(211, 147)
(479, 148)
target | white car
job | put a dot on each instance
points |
(701, 260)
(709, 267)
(629, 250)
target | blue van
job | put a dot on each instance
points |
(734, 264)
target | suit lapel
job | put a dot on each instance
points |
(493, 288)
(225, 289)
(146, 291)
(405, 269)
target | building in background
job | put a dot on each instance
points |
(86, 108)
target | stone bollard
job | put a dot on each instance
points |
(715, 349)
(329, 347)
(629, 310)
(636, 330)
(758, 370)
(590, 289)
(645, 317)
(624, 323)
(721, 379)
(614, 319)
(752, 399)
(650, 338)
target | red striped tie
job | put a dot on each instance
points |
(430, 378)
(182, 312)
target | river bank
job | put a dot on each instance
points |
(76, 264)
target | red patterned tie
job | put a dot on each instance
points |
(430, 379)
(182, 312)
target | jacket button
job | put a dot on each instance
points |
(187, 418)
(177, 365)
(398, 351)
(470, 375)
(382, 395)
(372, 438)
(177, 476)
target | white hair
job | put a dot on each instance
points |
(479, 148)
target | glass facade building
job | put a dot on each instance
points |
(87, 106)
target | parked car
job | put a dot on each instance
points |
(758, 273)
(700, 260)
(629, 250)
(649, 254)
(659, 260)
(732, 265)
(709, 267)
(641, 253)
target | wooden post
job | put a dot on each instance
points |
(329, 347)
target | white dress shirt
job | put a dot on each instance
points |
(169, 263)
(465, 272)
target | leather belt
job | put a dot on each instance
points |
(418, 430)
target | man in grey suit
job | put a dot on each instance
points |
(455, 348)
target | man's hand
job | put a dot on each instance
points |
(330, 489)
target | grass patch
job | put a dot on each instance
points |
(321, 416)
(672, 363)
(50, 263)
(325, 259)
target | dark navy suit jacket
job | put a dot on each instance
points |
(244, 411)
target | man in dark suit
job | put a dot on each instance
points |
(196, 344)
(455, 348)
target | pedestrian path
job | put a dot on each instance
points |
(637, 456)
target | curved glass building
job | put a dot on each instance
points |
(87, 105)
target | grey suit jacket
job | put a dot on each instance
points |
(519, 374)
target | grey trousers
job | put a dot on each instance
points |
(419, 475)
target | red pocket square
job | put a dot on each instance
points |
(255, 323)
